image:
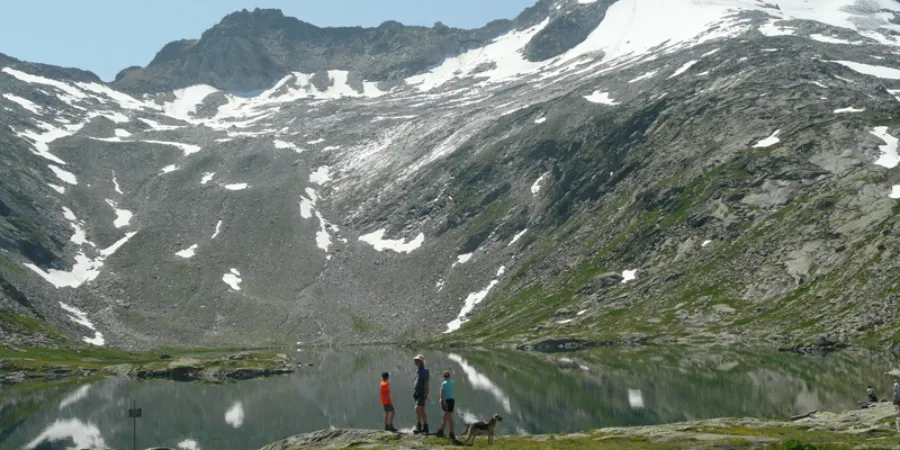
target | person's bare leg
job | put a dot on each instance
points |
(387, 416)
(424, 416)
(391, 416)
(420, 410)
(450, 421)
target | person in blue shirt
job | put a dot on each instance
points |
(420, 394)
(447, 404)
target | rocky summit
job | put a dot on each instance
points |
(592, 171)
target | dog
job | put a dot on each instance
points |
(472, 429)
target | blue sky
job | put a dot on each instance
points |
(105, 36)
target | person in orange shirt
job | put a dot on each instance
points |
(386, 402)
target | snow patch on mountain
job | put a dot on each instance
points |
(687, 66)
(40, 141)
(321, 176)
(462, 259)
(24, 103)
(218, 229)
(517, 237)
(64, 175)
(299, 85)
(308, 210)
(889, 157)
(644, 76)
(169, 168)
(233, 279)
(602, 98)
(471, 301)
(207, 177)
(284, 145)
(186, 101)
(769, 141)
(634, 28)
(78, 316)
(377, 241)
(188, 149)
(629, 275)
(116, 186)
(887, 73)
(536, 187)
(85, 268)
(121, 99)
(187, 253)
(895, 191)
(69, 94)
(503, 55)
(97, 340)
(772, 30)
(123, 216)
(79, 237)
(236, 186)
(831, 40)
(156, 126)
(849, 109)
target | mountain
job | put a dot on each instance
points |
(265, 46)
(720, 170)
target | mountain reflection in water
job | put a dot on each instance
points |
(536, 393)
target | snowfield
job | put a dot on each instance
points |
(889, 157)
(233, 279)
(471, 302)
(769, 141)
(602, 98)
(377, 241)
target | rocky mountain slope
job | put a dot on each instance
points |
(600, 170)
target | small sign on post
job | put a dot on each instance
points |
(135, 412)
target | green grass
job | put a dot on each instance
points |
(8, 266)
(30, 325)
(731, 437)
(32, 230)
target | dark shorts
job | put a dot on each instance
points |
(419, 398)
(388, 408)
(448, 405)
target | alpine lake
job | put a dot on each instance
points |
(536, 393)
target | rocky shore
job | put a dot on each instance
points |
(871, 427)
(237, 366)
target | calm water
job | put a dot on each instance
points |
(536, 393)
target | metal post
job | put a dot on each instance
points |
(134, 413)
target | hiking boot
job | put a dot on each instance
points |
(453, 437)
(440, 433)
(425, 429)
(418, 429)
(391, 428)
(387, 428)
